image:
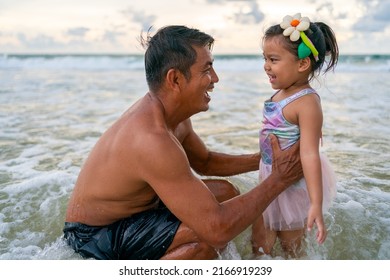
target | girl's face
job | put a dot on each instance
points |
(281, 66)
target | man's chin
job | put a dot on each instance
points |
(204, 109)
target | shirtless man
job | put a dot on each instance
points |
(137, 197)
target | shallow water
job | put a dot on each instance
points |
(53, 111)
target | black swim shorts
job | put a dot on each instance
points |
(143, 236)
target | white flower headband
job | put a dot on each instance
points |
(294, 26)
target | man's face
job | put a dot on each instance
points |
(203, 78)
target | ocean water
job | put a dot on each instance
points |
(54, 108)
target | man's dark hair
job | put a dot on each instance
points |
(172, 47)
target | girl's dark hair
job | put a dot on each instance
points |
(322, 37)
(172, 47)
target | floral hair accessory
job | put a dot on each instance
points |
(294, 26)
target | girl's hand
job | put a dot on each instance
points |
(315, 216)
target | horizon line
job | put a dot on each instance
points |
(142, 54)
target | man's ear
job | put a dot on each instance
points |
(304, 64)
(174, 78)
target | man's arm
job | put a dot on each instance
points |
(286, 170)
(164, 165)
(209, 163)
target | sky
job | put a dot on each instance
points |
(114, 26)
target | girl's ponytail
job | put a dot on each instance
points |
(331, 47)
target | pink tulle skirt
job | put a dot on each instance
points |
(289, 210)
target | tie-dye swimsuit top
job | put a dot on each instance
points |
(275, 123)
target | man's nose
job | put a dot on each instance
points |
(214, 76)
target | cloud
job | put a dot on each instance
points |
(140, 17)
(114, 27)
(112, 36)
(376, 18)
(224, 1)
(73, 40)
(40, 41)
(249, 13)
(329, 10)
(325, 7)
(78, 31)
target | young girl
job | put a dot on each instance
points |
(294, 53)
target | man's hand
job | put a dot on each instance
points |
(286, 164)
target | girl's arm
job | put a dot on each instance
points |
(310, 122)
